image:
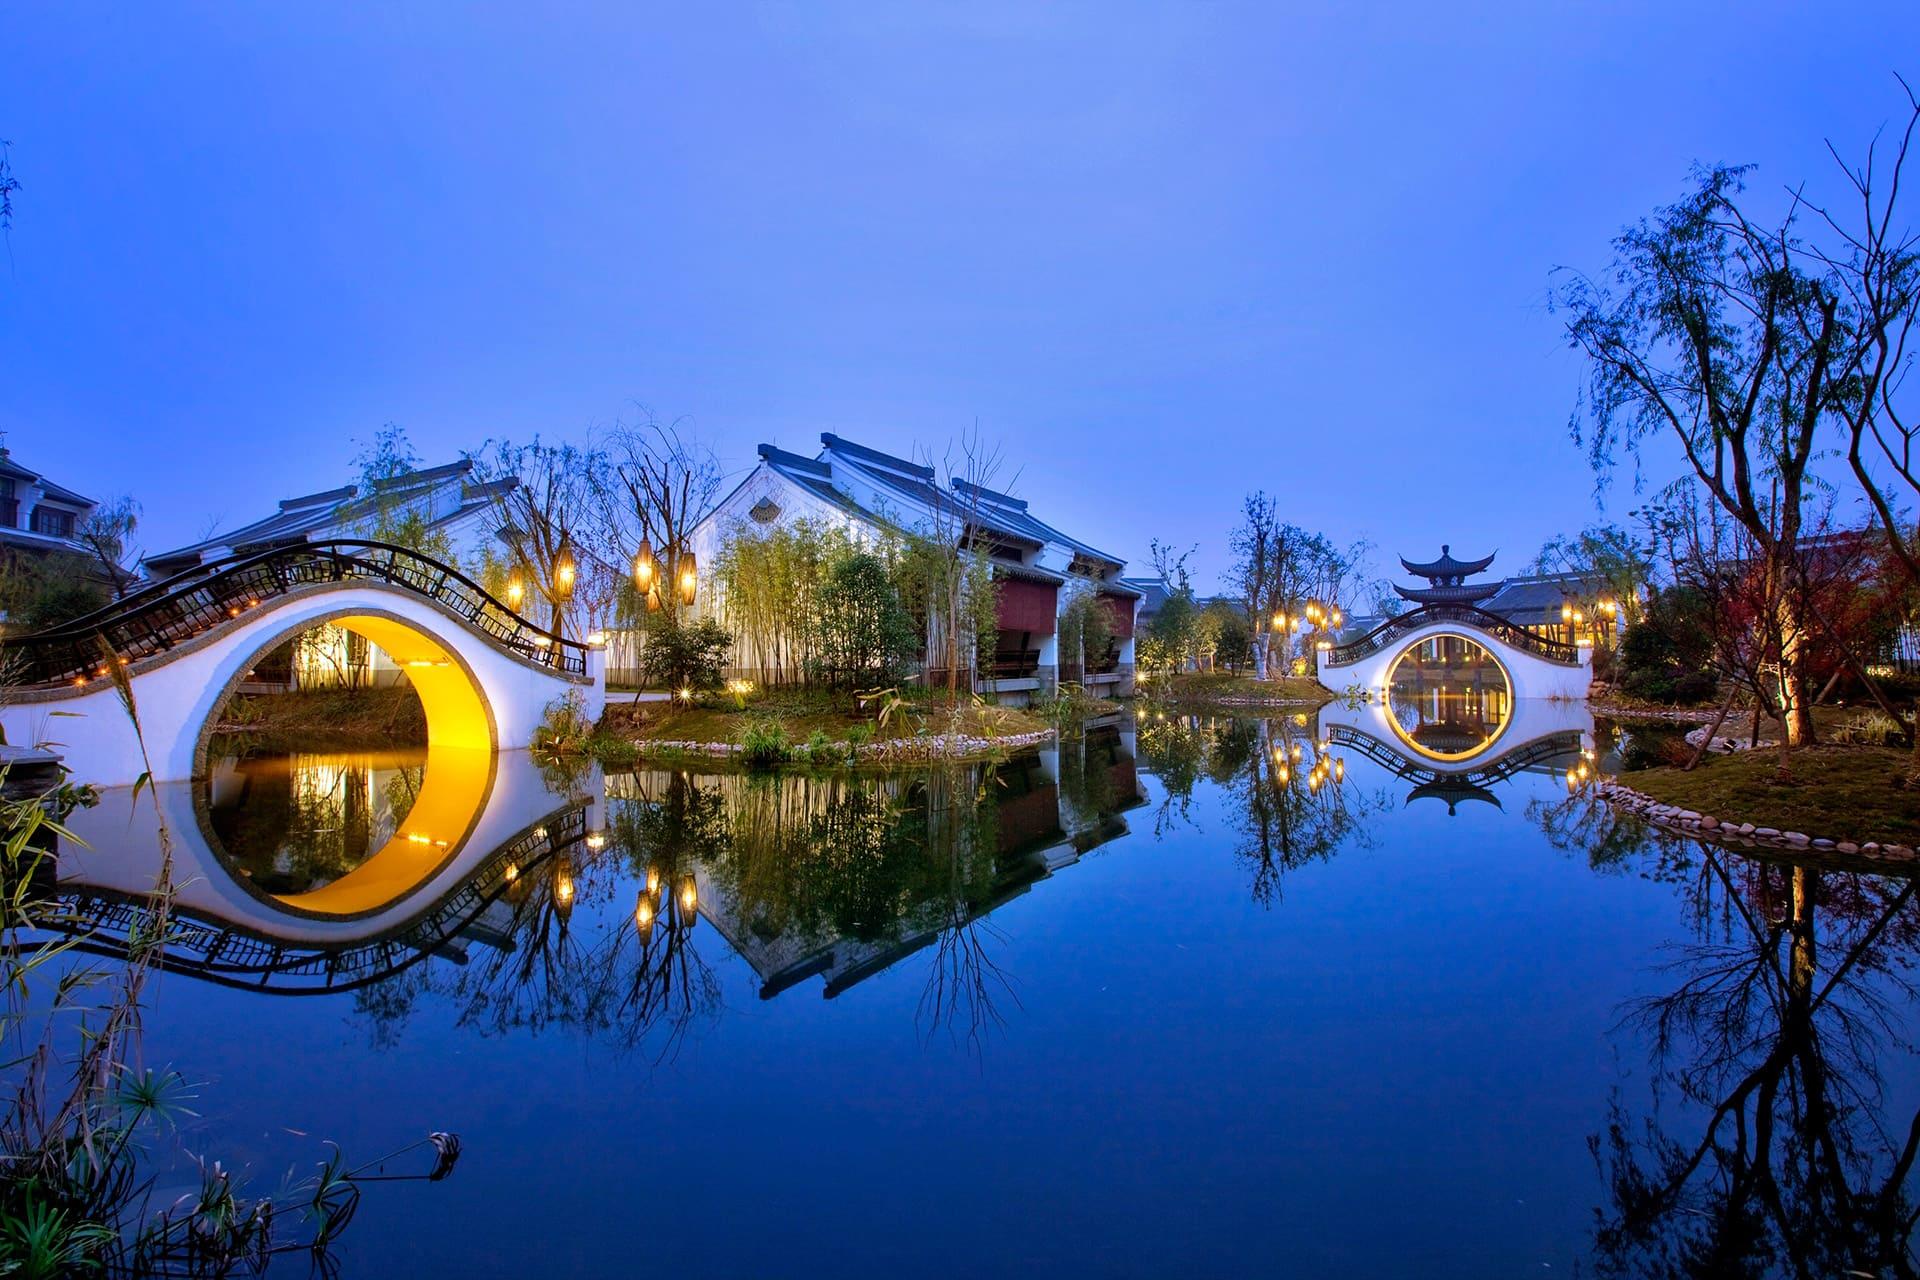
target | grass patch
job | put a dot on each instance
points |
(1842, 792)
(1226, 686)
(810, 719)
(324, 719)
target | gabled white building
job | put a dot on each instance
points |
(870, 493)
(447, 499)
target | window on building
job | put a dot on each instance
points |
(53, 522)
(9, 504)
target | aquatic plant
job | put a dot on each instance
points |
(763, 743)
(77, 1169)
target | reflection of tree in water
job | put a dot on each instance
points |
(301, 822)
(1285, 812)
(887, 863)
(1610, 840)
(634, 979)
(1794, 989)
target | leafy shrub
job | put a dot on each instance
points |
(820, 747)
(863, 634)
(764, 743)
(563, 729)
(859, 736)
(685, 655)
(1664, 656)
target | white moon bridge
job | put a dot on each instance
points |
(1425, 647)
(484, 675)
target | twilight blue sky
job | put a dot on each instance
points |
(1161, 254)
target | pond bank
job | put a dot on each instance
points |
(1236, 690)
(813, 729)
(1852, 800)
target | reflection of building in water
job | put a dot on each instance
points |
(942, 854)
(1449, 697)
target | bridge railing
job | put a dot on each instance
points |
(233, 956)
(164, 614)
(1556, 745)
(1510, 633)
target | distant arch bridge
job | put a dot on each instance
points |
(1535, 665)
(484, 674)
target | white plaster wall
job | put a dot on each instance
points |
(1532, 677)
(92, 731)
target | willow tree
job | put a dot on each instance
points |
(386, 511)
(1722, 330)
(552, 503)
(662, 484)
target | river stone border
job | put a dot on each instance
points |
(1674, 818)
(934, 747)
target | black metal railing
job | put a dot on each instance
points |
(167, 613)
(221, 953)
(1561, 744)
(1510, 633)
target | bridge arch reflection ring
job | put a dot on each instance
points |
(1449, 697)
(461, 740)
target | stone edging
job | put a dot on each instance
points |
(1671, 817)
(932, 747)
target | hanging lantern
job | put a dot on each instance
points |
(516, 592)
(687, 576)
(1566, 613)
(565, 570)
(644, 568)
(653, 600)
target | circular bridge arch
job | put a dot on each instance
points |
(1536, 667)
(457, 710)
(1435, 745)
(485, 675)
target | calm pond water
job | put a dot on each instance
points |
(1335, 994)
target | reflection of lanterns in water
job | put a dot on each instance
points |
(1339, 770)
(653, 880)
(643, 914)
(563, 885)
(1297, 753)
(596, 840)
(1282, 774)
(689, 903)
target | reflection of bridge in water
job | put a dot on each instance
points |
(446, 882)
(1537, 735)
(1549, 754)
(481, 823)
